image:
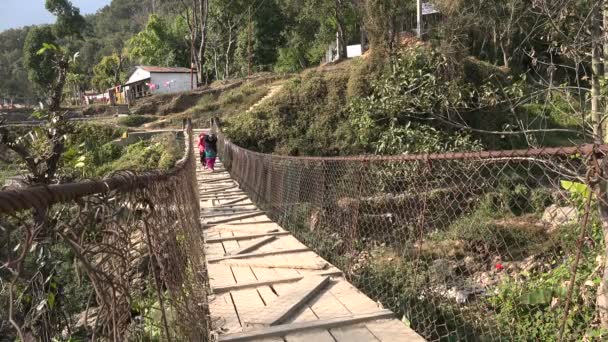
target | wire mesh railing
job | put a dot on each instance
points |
(113, 260)
(481, 246)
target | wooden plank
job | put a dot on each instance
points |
(216, 210)
(220, 196)
(357, 333)
(215, 180)
(246, 237)
(214, 250)
(316, 335)
(243, 274)
(220, 275)
(254, 255)
(245, 228)
(228, 244)
(279, 310)
(250, 246)
(240, 199)
(249, 302)
(285, 329)
(235, 205)
(218, 187)
(286, 242)
(238, 231)
(235, 218)
(218, 184)
(305, 315)
(223, 314)
(314, 263)
(393, 330)
(268, 296)
(264, 275)
(352, 299)
(272, 281)
(266, 222)
(232, 214)
(220, 192)
(326, 306)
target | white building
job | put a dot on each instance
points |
(148, 80)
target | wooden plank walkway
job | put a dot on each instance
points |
(259, 273)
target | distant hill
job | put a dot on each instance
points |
(107, 31)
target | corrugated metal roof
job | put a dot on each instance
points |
(163, 69)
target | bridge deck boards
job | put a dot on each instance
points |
(239, 299)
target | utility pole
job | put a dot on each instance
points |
(419, 18)
(249, 38)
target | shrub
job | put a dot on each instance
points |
(479, 72)
(159, 152)
(362, 74)
(529, 308)
(135, 120)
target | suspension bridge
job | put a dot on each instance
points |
(439, 247)
(268, 286)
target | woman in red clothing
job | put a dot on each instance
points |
(201, 149)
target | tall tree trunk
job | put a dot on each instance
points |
(57, 90)
(194, 27)
(596, 69)
(338, 11)
(204, 14)
(363, 39)
(228, 52)
(215, 66)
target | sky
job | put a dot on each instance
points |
(18, 13)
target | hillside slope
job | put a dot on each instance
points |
(421, 102)
(221, 99)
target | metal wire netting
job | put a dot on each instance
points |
(481, 246)
(119, 259)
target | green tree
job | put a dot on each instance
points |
(305, 38)
(161, 43)
(381, 18)
(260, 35)
(15, 84)
(41, 67)
(109, 72)
(69, 21)
(311, 25)
(48, 63)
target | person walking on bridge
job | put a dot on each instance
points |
(201, 149)
(211, 151)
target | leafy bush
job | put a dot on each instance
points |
(135, 120)
(417, 138)
(236, 95)
(534, 308)
(367, 108)
(429, 315)
(362, 75)
(89, 147)
(486, 235)
(160, 152)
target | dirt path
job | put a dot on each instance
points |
(274, 89)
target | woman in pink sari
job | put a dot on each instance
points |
(201, 149)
